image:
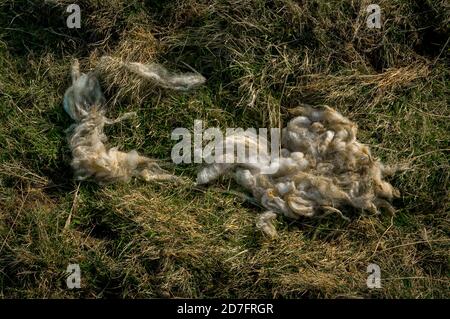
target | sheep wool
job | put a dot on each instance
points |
(92, 159)
(153, 73)
(322, 168)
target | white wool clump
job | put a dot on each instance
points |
(322, 168)
(84, 102)
(166, 79)
(159, 75)
(84, 93)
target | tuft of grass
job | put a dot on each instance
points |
(261, 58)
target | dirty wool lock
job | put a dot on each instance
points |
(322, 167)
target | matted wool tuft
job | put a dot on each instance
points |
(322, 167)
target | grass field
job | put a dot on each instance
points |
(260, 58)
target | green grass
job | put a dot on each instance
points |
(260, 59)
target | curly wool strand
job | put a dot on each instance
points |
(92, 159)
(155, 73)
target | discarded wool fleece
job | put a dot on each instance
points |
(92, 159)
(321, 167)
